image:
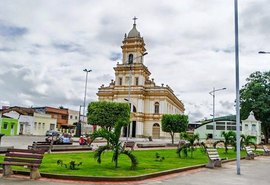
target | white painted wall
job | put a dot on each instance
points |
(252, 127)
(23, 120)
(42, 123)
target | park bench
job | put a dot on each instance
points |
(214, 159)
(130, 144)
(22, 157)
(45, 145)
(266, 150)
(63, 148)
(250, 153)
(151, 145)
(41, 145)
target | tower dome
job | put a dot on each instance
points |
(134, 32)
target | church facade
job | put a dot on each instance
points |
(132, 84)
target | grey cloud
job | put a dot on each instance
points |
(115, 56)
(71, 47)
(109, 32)
(195, 115)
(227, 104)
(67, 47)
(225, 50)
(221, 113)
(105, 78)
(77, 79)
(190, 46)
(16, 66)
(15, 83)
(19, 84)
(35, 49)
(254, 15)
(6, 49)
(8, 30)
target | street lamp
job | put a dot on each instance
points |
(87, 71)
(264, 52)
(237, 87)
(130, 62)
(212, 93)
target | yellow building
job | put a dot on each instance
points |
(132, 83)
(42, 123)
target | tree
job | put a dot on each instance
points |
(255, 96)
(174, 123)
(114, 144)
(191, 138)
(105, 114)
(229, 139)
(102, 111)
(247, 140)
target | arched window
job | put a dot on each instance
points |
(156, 108)
(130, 59)
(134, 109)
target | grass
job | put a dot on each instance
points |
(146, 158)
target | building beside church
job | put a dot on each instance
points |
(223, 124)
(29, 122)
(252, 127)
(248, 127)
(133, 84)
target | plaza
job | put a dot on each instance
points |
(48, 49)
(252, 172)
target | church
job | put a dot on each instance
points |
(133, 85)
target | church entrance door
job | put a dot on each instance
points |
(133, 134)
(156, 131)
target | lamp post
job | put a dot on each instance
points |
(87, 71)
(212, 93)
(264, 52)
(237, 87)
(129, 87)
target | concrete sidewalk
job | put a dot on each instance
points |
(252, 172)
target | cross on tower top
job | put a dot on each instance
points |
(135, 18)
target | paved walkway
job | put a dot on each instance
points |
(253, 172)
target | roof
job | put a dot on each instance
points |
(20, 110)
(222, 118)
(251, 117)
(133, 32)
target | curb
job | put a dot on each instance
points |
(120, 179)
(117, 179)
(114, 179)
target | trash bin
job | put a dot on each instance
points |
(1, 135)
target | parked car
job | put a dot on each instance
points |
(52, 133)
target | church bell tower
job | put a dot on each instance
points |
(133, 46)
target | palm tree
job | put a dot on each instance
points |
(229, 139)
(247, 140)
(191, 138)
(114, 144)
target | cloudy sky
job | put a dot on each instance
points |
(45, 45)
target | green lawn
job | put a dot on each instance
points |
(146, 159)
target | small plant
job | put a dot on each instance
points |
(229, 139)
(189, 145)
(159, 157)
(72, 164)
